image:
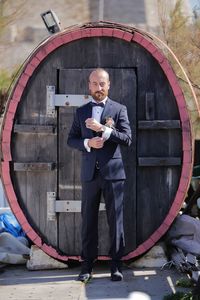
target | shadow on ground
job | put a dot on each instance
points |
(17, 283)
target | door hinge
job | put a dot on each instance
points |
(66, 100)
(65, 206)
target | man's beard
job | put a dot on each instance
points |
(98, 96)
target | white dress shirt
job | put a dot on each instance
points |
(96, 114)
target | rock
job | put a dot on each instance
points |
(41, 261)
(154, 258)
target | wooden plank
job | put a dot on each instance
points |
(69, 160)
(150, 106)
(66, 182)
(31, 189)
(159, 161)
(71, 81)
(156, 188)
(34, 166)
(159, 124)
(126, 93)
(26, 128)
(156, 185)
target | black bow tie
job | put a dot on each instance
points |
(101, 104)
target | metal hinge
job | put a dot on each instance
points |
(53, 100)
(56, 206)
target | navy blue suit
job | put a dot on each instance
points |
(109, 179)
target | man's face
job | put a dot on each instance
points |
(99, 85)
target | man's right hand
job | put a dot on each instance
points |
(96, 142)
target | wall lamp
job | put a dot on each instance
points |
(51, 21)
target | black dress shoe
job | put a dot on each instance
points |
(84, 277)
(116, 273)
(86, 271)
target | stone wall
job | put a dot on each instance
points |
(27, 29)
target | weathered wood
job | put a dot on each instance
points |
(129, 154)
(32, 188)
(156, 185)
(159, 124)
(69, 173)
(150, 106)
(34, 166)
(153, 163)
(26, 128)
(159, 161)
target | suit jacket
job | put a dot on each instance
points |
(109, 157)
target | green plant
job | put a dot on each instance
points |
(5, 82)
(179, 296)
(184, 282)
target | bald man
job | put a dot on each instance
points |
(98, 130)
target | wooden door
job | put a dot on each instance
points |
(123, 90)
(159, 156)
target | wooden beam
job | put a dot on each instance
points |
(25, 128)
(159, 124)
(159, 161)
(150, 106)
(35, 166)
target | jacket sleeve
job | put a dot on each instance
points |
(75, 139)
(121, 134)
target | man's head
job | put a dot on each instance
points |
(99, 84)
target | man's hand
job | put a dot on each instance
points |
(96, 142)
(94, 125)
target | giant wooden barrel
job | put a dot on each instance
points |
(41, 174)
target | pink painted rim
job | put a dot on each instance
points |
(38, 56)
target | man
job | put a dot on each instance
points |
(99, 127)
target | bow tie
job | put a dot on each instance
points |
(93, 104)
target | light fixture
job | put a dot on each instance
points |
(51, 21)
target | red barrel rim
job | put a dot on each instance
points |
(30, 66)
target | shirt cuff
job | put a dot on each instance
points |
(106, 134)
(86, 145)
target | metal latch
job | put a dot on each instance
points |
(53, 100)
(56, 206)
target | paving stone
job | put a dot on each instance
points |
(154, 258)
(41, 261)
(18, 283)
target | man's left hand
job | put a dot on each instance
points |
(93, 124)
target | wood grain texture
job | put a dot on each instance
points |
(156, 185)
(26, 128)
(159, 124)
(33, 166)
(27, 148)
(159, 161)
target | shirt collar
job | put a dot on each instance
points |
(103, 101)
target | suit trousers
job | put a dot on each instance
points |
(113, 193)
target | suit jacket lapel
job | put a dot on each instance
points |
(107, 111)
(88, 114)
